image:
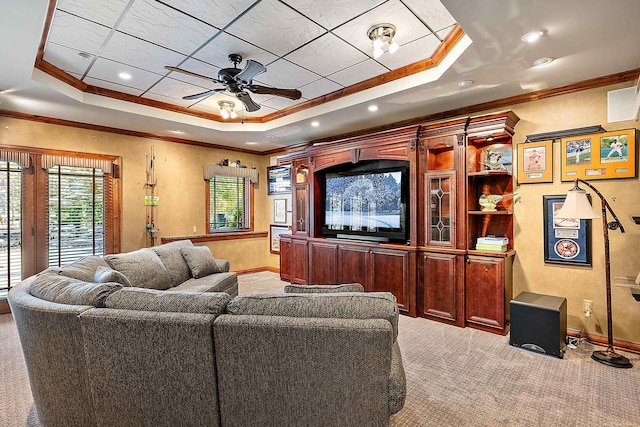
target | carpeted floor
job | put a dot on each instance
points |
(455, 377)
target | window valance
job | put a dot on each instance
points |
(79, 162)
(21, 158)
(214, 170)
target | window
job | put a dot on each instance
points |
(76, 213)
(10, 225)
(229, 203)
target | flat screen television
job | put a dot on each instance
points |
(367, 201)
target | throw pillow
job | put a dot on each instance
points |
(83, 268)
(200, 260)
(108, 275)
(176, 302)
(66, 290)
(170, 255)
(143, 268)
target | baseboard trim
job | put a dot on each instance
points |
(258, 270)
(630, 346)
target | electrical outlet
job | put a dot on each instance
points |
(588, 305)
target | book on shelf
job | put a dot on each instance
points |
(492, 240)
(491, 247)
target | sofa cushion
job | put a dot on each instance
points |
(170, 255)
(319, 289)
(143, 268)
(345, 305)
(109, 275)
(66, 290)
(219, 282)
(200, 260)
(82, 269)
(176, 302)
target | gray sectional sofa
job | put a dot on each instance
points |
(105, 354)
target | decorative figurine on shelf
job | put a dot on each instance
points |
(240, 165)
(488, 202)
(491, 160)
(223, 162)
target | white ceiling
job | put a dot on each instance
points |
(315, 46)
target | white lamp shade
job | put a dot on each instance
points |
(576, 206)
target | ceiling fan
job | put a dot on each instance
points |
(238, 81)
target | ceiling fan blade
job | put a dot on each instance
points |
(203, 94)
(252, 69)
(286, 93)
(189, 73)
(249, 105)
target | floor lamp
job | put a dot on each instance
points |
(577, 206)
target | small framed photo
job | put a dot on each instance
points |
(275, 232)
(280, 211)
(278, 180)
(535, 162)
(566, 240)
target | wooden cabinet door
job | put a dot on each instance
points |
(300, 261)
(285, 259)
(441, 287)
(353, 265)
(485, 293)
(391, 272)
(323, 263)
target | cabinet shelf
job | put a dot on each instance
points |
(506, 254)
(506, 212)
(490, 173)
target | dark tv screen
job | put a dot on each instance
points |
(366, 203)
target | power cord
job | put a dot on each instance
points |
(575, 341)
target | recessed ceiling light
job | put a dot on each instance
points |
(124, 76)
(532, 36)
(465, 83)
(270, 137)
(178, 131)
(543, 61)
(372, 108)
(315, 124)
(251, 143)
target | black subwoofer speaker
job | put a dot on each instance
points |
(539, 323)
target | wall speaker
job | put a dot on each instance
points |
(623, 104)
(539, 323)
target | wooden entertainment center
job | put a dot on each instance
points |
(437, 273)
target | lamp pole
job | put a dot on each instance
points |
(608, 357)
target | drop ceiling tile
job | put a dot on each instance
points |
(169, 100)
(176, 89)
(286, 75)
(333, 12)
(326, 55)
(77, 33)
(107, 70)
(408, 27)
(215, 12)
(66, 59)
(139, 53)
(275, 27)
(411, 52)
(279, 103)
(161, 25)
(113, 86)
(319, 88)
(432, 12)
(102, 12)
(217, 51)
(358, 73)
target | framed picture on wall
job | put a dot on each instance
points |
(275, 232)
(278, 180)
(280, 211)
(535, 162)
(605, 155)
(566, 240)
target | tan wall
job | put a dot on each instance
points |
(181, 188)
(586, 108)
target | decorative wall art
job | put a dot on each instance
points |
(535, 162)
(278, 180)
(275, 232)
(566, 241)
(280, 211)
(606, 155)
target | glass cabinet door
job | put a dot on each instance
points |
(440, 211)
(301, 176)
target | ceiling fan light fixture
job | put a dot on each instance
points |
(381, 36)
(226, 109)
